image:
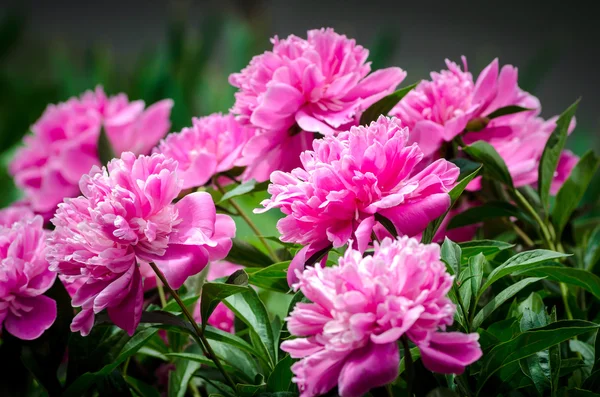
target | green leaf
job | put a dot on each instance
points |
(242, 189)
(576, 392)
(489, 248)
(105, 149)
(384, 105)
(248, 307)
(219, 336)
(528, 343)
(568, 275)
(592, 252)
(281, 377)
(572, 191)
(554, 146)
(142, 389)
(213, 293)
(500, 298)
(249, 390)
(469, 280)
(113, 385)
(493, 165)
(200, 359)
(441, 392)
(245, 254)
(494, 209)
(587, 353)
(272, 278)
(455, 193)
(415, 353)
(451, 254)
(511, 109)
(180, 377)
(387, 224)
(537, 366)
(519, 263)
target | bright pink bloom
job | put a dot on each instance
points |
(222, 317)
(520, 140)
(301, 87)
(213, 144)
(13, 214)
(439, 110)
(348, 179)
(126, 216)
(64, 143)
(360, 309)
(24, 277)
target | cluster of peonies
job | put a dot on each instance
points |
(126, 216)
(350, 187)
(348, 180)
(64, 143)
(362, 307)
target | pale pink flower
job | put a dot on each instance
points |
(24, 277)
(222, 317)
(64, 143)
(126, 216)
(212, 145)
(348, 335)
(304, 86)
(347, 180)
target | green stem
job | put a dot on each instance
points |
(549, 240)
(545, 233)
(161, 294)
(408, 364)
(249, 222)
(208, 351)
(519, 232)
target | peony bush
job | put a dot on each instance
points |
(433, 239)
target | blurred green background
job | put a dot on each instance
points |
(185, 50)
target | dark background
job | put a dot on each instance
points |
(51, 50)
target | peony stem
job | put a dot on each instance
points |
(408, 364)
(208, 351)
(249, 222)
(161, 294)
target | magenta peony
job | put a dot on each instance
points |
(24, 277)
(439, 110)
(302, 87)
(212, 145)
(222, 317)
(64, 143)
(124, 217)
(348, 179)
(360, 309)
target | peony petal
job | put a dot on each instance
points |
(128, 313)
(412, 217)
(182, 261)
(363, 233)
(372, 366)
(450, 352)
(198, 215)
(31, 325)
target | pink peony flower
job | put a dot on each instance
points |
(301, 87)
(520, 140)
(212, 145)
(222, 317)
(360, 309)
(13, 214)
(64, 143)
(24, 277)
(126, 216)
(347, 180)
(439, 110)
